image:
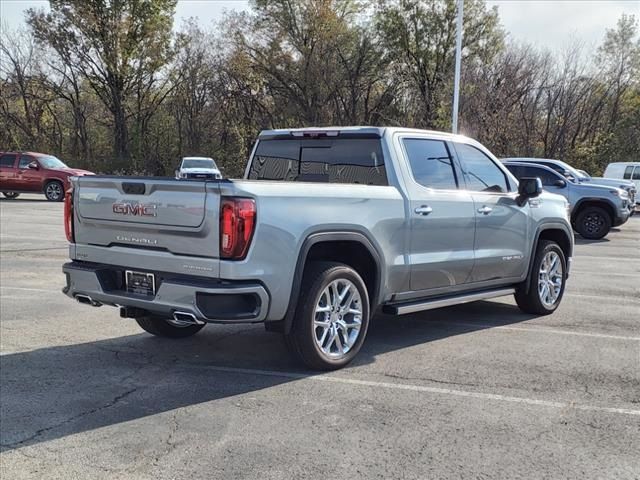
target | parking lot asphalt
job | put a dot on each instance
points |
(474, 391)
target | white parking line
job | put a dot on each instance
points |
(598, 257)
(575, 271)
(425, 389)
(543, 330)
(601, 297)
(41, 290)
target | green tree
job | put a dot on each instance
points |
(419, 39)
(114, 44)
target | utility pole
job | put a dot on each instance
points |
(456, 81)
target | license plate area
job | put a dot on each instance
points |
(140, 283)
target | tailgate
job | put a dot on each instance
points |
(177, 216)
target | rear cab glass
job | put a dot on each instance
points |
(338, 159)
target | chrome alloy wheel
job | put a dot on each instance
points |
(54, 190)
(550, 278)
(338, 318)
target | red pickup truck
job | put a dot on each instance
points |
(30, 172)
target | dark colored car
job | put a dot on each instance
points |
(30, 172)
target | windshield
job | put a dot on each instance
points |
(51, 162)
(198, 163)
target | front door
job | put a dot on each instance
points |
(29, 179)
(502, 226)
(442, 216)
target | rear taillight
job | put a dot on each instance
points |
(68, 215)
(237, 223)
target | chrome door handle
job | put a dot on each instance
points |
(423, 210)
(486, 210)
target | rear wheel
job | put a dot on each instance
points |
(332, 316)
(167, 328)
(547, 282)
(593, 223)
(54, 191)
(11, 195)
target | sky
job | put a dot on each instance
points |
(551, 24)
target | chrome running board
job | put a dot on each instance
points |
(421, 305)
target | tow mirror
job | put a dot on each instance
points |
(33, 166)
(528, 187)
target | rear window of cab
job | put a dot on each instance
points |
(334, 160)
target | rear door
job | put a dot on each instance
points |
(502, 227)
(177, 217)
(7, 171)
(442, 220)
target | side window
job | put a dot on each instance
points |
(431, 163)
(516, 170)
(554, 167)
(548, 179)
(636, 174)
(7, 160)
(627, 173)
(481, 173)
(24, 162)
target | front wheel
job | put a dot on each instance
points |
(167, 328)
(593, 223)
(11, 195)
(54, 191)
(332, 316)
(547, 282)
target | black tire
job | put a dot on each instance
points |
(301, 340)
(529, 301)
(593, 223)
(162, 328)
(11, 195)
(54, 191)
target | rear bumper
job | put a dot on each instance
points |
(208, 300)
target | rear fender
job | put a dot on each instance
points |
(322, 237)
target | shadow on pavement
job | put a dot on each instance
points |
(54, 392)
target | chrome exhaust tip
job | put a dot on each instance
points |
(186, 318)
(87, 300)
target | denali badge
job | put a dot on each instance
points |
(138, 240)
(138, 209)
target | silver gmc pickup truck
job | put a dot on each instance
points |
(328, 226)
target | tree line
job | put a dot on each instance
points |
(112, 86)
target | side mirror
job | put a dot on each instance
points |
(528, 187)
(33, 166)
(560, 183)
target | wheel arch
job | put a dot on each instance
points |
(556, 232)
(603, 203)
(348, 247)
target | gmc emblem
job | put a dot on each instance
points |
(139, 209)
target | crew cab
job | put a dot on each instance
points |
(576, 176)
(327, 227)
(594, 208)
(31, 172)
